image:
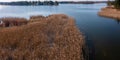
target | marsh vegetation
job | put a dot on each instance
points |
(12, 21)
(54, 37)
(112, 10)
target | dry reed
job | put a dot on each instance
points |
(10, 21)
(55, 38)
(110, 13)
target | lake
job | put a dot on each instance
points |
(102, 34)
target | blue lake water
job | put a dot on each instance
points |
(102, 34)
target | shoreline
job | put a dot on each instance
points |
(54, 37)
(110, 12)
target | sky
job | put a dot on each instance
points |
(53, 0)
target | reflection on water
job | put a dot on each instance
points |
(102, 34)
(1, 7)
(118, 21)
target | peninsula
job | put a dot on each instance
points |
(54, 37)
(112, 10)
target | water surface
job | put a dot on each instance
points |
(102, 34)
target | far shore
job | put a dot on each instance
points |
(110, 12)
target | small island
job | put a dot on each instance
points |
(28, 3)
(53, 3)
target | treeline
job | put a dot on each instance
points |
(30, 3)
(115, 3)
(81, 2)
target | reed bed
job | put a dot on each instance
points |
(55, 38)
(110, 12)
(36, 18)
(11, 21)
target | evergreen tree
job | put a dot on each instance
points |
(117, 4)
